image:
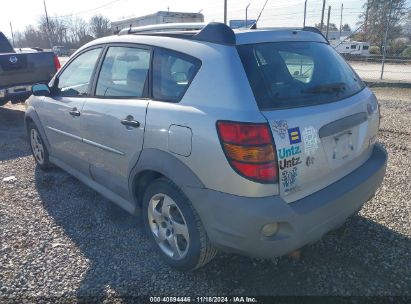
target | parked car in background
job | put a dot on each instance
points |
(254, 141)
(19, 71)
(61, 51)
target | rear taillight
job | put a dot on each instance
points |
(250, 150)
(57, 63)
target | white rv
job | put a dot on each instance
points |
(352, 47)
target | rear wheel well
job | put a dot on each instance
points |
(141, 182)
(28, 121)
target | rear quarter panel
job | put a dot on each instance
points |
(220, 91)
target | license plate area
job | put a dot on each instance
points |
(18, 89)
(341, 148)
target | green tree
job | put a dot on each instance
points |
(346, 28)
(377, 15)
(100, 26)
(333, 27)
(406, 52)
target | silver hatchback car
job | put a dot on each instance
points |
(256, 141)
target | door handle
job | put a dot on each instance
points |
(74, 112)
(130, 122)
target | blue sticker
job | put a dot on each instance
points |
(294, 135)
(288, 152)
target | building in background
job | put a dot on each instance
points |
(235, 24)
(335, 35)
(157, 18)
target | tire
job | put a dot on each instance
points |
(192, 248)
(38, 148)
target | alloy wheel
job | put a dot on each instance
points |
(168, 226)
(37, 146)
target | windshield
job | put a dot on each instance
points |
(295, 74)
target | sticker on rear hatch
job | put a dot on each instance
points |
(280, 127)
(288, 178)
(310, 140)
(289, 162)
(294, 135)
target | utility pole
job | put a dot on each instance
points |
(246, 15)
(48, 24)
(366, 21)
(384, 54)
(225, 11)
(305, 12)
(12, 34)
(328, 21)
(322, 17)
(342, 8)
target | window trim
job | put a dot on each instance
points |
(196, 61)
(52, 83)
(100, 66)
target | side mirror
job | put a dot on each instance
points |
(40, 90)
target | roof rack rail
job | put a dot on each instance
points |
(213, 32)
(314, 30)
(166, 27)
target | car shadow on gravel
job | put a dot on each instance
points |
(13, 139)
(360, 258)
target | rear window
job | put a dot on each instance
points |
(296, 74)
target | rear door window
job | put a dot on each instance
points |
(124, 73)
(295, 74)
(172, 74)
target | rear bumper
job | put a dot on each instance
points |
(234, 223)
(18, 93)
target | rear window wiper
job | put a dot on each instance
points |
(326, 88)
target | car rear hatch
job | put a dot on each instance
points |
(323, 119)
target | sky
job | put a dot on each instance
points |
(276, 13)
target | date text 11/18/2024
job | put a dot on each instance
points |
(206, 299)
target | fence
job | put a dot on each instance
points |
(396, 69)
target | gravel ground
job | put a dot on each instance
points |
(60, 238)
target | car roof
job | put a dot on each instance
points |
(194, 40)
